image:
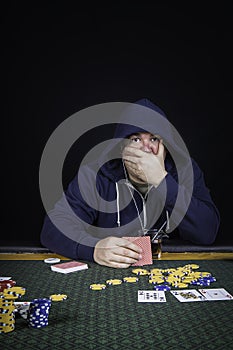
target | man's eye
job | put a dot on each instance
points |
(154, 139)
(135, 139)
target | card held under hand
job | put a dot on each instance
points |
(144, 243)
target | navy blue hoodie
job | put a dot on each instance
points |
(105, 203)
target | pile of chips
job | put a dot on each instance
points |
(35, 312)
(39, 313)
(180, 277)
(165, 279)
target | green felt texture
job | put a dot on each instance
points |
(113, 318)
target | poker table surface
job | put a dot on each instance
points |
(113, 318)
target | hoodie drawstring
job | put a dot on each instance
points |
(118, 211)
(118, 206)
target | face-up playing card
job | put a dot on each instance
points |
(216, 294)
(151, 296)
(188, 295)
(145, 244)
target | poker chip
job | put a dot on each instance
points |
(155, 271)
(58, 297)
(52, 260)
(7, 328)
(97, 286)
(156, 280)
(114, 282)
(14, 292)
(162, 287)
(192, 266)
(130, 279)
(5, 284)
(180, 285)
(205, 274)
(169, 271)
(188, 280)
(141, 272)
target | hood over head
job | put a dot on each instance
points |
(134, 114)
(143, 116)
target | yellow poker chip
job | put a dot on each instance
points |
(169, 271)
(141, 272)
(58, 297)
(11, 296)
(188, 280)
(97, 286)
(155, 271)
(156, 280)
(130, 279)
(6, 329)
(19, 291)
(172, 279)
(196, 274)
(180, 285)
(6, 317)
(192, 266)
(114, 282)
(179, 276)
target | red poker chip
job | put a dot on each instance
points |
(5, 284)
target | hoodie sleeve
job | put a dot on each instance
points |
(65, 228)
(201, 222)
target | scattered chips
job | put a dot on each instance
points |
(97, 286)
(58, 297)
(114, 282)
(130, 279)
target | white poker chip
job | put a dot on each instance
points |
(52, 260)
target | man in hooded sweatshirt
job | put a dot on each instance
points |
(147, 180)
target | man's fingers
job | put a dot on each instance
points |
(116, 252)
(161, 149)
(127, 253)
(130, 245)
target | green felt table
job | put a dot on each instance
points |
(113, 318)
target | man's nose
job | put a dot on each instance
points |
(146, 147)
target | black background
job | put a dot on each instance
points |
(59, 59)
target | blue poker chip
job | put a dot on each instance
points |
(209, 279)
(162, 287)
(200, 283)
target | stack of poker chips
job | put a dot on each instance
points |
(39, 312)
(8, 295)
(7, 316)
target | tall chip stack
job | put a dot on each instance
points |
(39, 312)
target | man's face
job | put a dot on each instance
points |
(146, 142)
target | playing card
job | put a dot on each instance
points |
(216, 294)
(150, 296)
(187, 295)
(145, 244)
(23, 308)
